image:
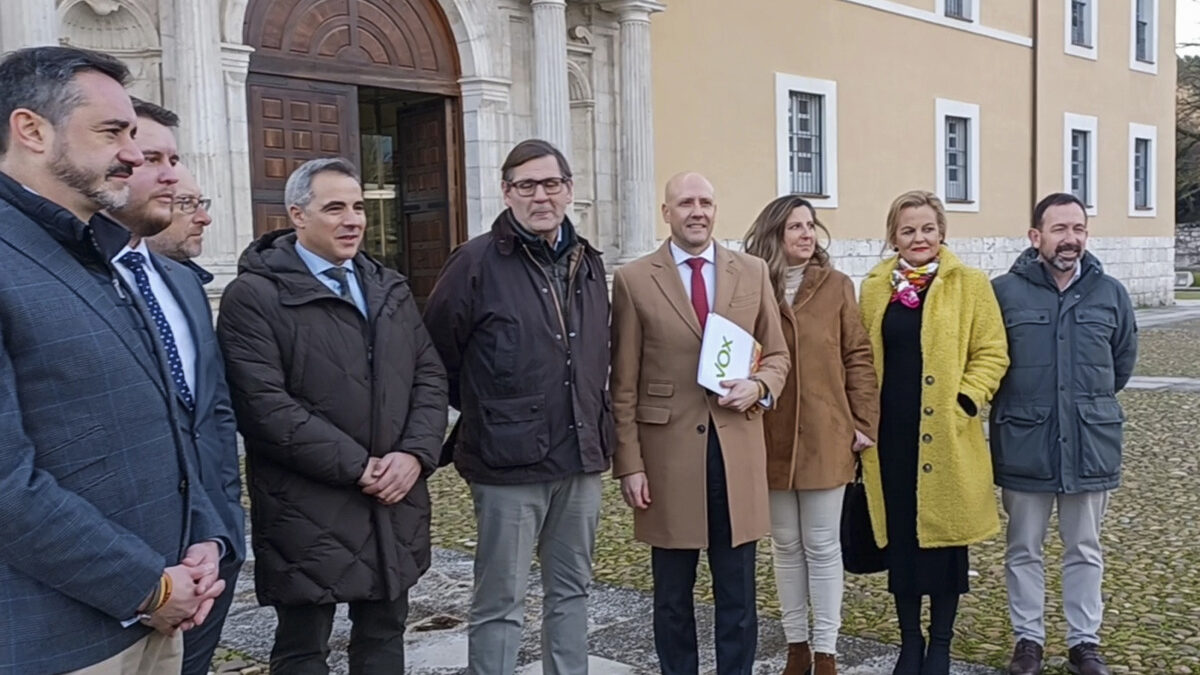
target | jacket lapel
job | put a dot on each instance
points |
(726, 278)
(814, 275)
(666, 276)
(33, 242)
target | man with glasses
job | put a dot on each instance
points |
(520, 318)
(160, 191)
(183, 239)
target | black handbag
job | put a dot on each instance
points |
(860, 554)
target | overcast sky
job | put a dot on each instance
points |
(1187, 25)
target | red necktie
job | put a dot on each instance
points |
(699, 290)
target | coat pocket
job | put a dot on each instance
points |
(1021, 443)
(1030, 337)
(647, 414)
(1101, 432)
(514, 431)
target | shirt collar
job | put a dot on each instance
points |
(681, 256)
(140, 248)
(316, 264)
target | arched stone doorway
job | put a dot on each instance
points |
(375, 81)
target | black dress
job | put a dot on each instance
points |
(911, 570)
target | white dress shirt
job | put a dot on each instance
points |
(172, 311)
(708, 271)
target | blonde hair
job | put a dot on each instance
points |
(765, 237)
(914, 199)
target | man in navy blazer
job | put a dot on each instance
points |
(158, 197)
(106, 548)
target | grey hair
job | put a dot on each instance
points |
(298, 192)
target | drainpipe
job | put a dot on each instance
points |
(1033, 169)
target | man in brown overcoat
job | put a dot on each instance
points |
(692, 464)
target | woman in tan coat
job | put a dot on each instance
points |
(828, 410)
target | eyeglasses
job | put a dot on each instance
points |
(190, 204)
(527, 188)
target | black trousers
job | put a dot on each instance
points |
(736, 626)
(376, 638)
(200, 642)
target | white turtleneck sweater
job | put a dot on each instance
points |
(792, 280)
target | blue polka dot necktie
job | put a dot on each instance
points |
(136, 262)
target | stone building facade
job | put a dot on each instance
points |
(264, 84)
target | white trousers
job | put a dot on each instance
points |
(807, 546)
(1079, 518)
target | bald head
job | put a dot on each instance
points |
(184, 238)
(686, 180)
(691, 210)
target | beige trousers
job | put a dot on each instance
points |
(155, 654)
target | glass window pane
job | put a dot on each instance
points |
(806, 143)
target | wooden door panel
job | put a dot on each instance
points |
(424, 194)
(291, 122)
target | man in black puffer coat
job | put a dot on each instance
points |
(341, 398)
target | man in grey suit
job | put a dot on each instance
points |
(205, 412)
(106, 551)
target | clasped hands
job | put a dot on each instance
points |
(194, 587)
(389, 478)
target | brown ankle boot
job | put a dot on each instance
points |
(826, 664)
(800, 659)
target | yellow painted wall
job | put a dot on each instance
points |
(1115, 94)
(714, 105)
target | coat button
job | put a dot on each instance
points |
(533, 408)
(183, 485)
(928, 379)
(927, 438)
(700, 429)
(928, 468)
(929, 411)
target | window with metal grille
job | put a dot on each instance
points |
(1141, 173)
(806, 145)
(1141, 31)
(957, 146)
(958, 9)
(1080, 166)
(1081, 23)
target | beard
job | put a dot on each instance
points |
(1062, 264)
(91, 184)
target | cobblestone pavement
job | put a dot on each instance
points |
(1152, 579)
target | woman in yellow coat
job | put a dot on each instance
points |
(940, 352)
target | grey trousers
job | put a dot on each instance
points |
(559, 520)
(1079, 519)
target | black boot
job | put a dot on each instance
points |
(912, 641)
(943, 609)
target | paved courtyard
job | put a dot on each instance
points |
(1152, 580)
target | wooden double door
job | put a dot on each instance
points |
(408, 157)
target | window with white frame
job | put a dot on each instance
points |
(806, 143)
(1143, 40)
(1080, 24)
(964, 10)
(1080, 139)
(1143, 183)
(957, 151)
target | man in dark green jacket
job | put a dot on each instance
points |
(1056, 425)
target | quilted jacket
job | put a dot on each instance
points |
(318, 389)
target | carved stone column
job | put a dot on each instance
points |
(239, 232)
(636, 127)
(31, 23)
(551, 97)
(195, 90)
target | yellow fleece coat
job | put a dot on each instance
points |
(965, 351)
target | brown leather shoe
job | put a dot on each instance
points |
(1084, 659)
(825, 664)
(1026, 659)
(800, 659)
